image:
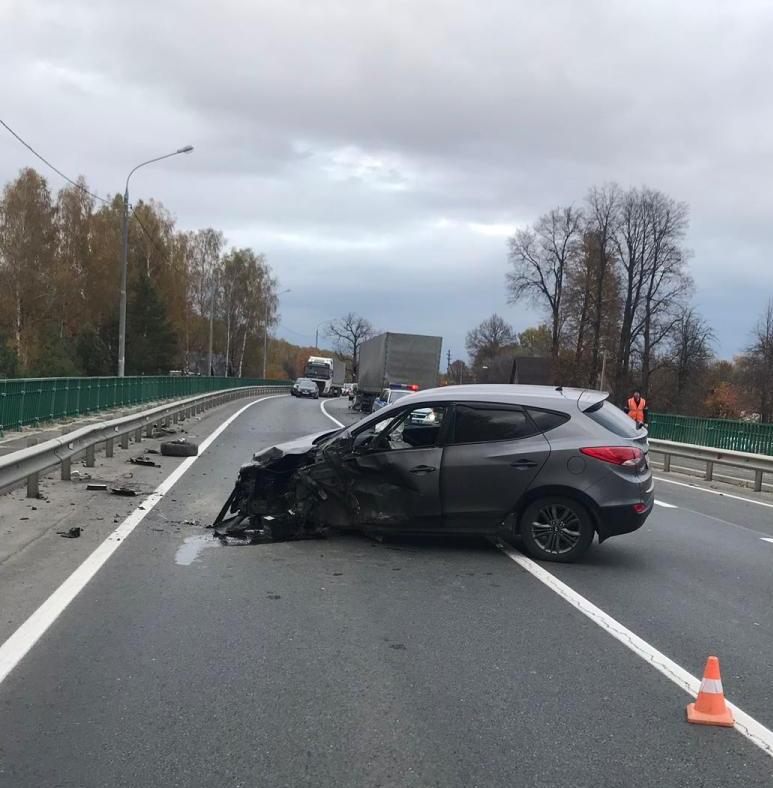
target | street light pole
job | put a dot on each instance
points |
(125, 257)
(211, 323)
(265, 332)
(316, 334)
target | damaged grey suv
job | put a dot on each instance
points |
(553, 466)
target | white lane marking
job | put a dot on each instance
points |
(714, 492)
(322, 404)
(24, 638)
(665, 505)
(766, 539)
(753, 730)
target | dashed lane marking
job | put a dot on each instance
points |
(666, 505)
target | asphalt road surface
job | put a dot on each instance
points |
(417, 662)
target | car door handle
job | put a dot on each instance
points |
(523, 464)
(423, 469)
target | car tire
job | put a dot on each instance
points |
(179, 449)
(556, 528)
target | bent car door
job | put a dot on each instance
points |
(493, 453)
(395, 472)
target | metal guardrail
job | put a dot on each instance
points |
(760, 464)
(29, 463)
(26, 401)
(728, 434)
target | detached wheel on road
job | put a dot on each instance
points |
(556, 529)
(179, 449)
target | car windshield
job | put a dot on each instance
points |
(321, 371)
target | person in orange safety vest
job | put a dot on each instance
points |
(636, 408)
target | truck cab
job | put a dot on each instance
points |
(320, 370)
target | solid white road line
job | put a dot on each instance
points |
(714, 492)
(666, 505)
(322, 404)
(753, 730)
(24, 638)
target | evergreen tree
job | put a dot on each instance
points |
(151, 343)
(93, 355)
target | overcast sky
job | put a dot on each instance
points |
(380, 153)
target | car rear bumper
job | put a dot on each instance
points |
(616, 520)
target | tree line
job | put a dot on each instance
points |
(59, 289)
(611, 276)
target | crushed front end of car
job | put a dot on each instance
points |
(290, 491)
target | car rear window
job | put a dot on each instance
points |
(547, 419)
(484, 423)
(613, 419)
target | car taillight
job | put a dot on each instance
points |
(640, 508)
(617, 455)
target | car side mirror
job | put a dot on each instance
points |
(362, 442)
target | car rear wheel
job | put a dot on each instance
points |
(556, 529)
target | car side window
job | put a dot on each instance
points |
(483, 423)
(547, 419)
(416, 428)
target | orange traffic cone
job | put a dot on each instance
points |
(710, 707)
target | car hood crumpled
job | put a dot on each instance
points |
(300, 445)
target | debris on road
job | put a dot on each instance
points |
(124, 491)
(144, 460)
(79, 476)
(167, 430)
(96, 486)
(179, 448)
(70, 533)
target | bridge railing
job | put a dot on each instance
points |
(25, 401)
(745, 436)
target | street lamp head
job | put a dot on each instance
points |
(186, 149)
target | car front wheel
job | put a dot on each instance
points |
(556, 529)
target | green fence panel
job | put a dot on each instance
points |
(745, 436)
(25, 401)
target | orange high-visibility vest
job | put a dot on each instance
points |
(636, 410)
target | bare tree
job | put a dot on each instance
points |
(690, 354)
(757, 364)
(540, 258)
(651, 261)
(487, 340)
(348, 333)
(602, 205)
(667, 282)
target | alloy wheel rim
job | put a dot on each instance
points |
(556, 529)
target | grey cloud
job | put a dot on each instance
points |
(363, 139)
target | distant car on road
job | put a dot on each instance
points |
(552, 466)
(390, 395)
(306, 388)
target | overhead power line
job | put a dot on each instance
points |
(48, 164)
(81, 187)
